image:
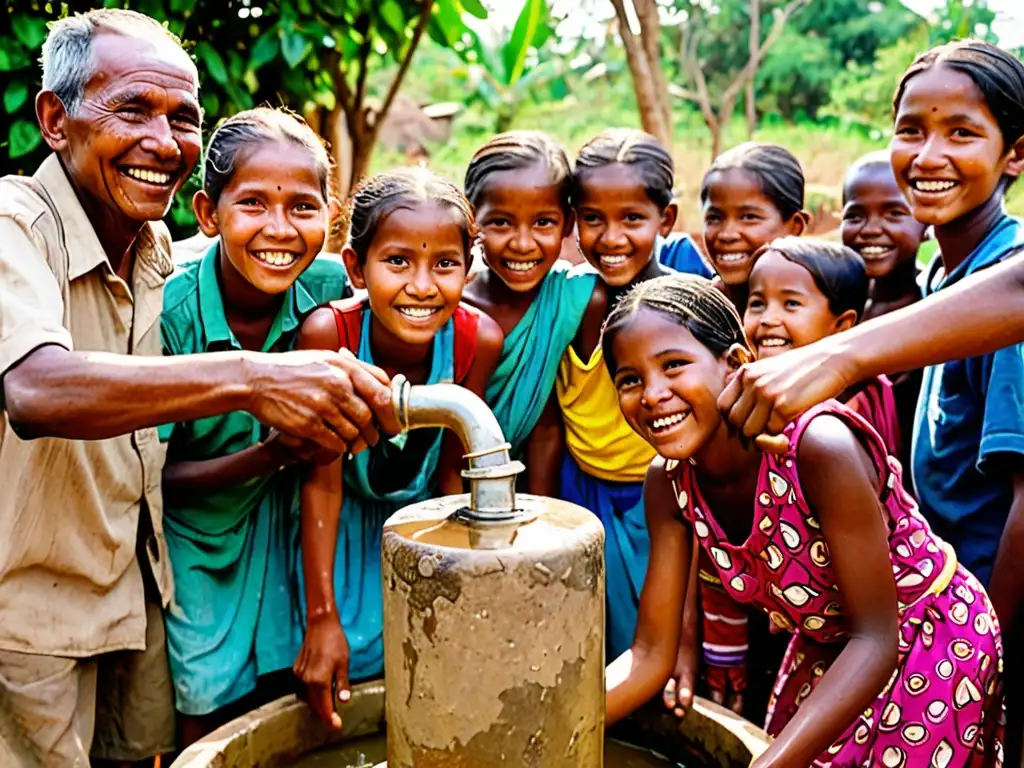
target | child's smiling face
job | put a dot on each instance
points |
(877, 220)
(948, 153)
(739, 218)
(415, 270)
(271, 216)
(522, 224)
(618, 223)
(668, 384)
(786, 309)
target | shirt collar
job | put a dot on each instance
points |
(85, 252)
(298, 302)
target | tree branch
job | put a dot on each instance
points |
(778, 25)
(343, 93)
(364, 69)
(403, 67)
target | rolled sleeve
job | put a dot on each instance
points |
(1003, 425)
(31, 305)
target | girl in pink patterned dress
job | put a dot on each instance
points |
(896, 654)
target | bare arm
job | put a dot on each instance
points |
(639, 673)
(185, 477)
(981, 314)
(544, 448)
(328, 397)
(841, 485)
(489, 341)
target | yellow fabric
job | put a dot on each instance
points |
(596, 434)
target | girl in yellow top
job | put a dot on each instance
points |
(622, 193)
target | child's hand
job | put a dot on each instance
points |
(289, 449)
(323, 665)
(678, 692)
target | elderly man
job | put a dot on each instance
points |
(83, 258)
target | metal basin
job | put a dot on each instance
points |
(281, 733)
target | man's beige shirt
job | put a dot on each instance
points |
(70, 582)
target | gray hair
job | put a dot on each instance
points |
(67, 52)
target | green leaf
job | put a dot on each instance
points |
(530, 27)
(213, 62)
(15, 95)
(265, 49)
(180, 6)
(392, 14)
(30, 30)
(12, 55)
(294, 47)
(24, 137)
(475, 8)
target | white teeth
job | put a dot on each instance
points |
(521, 266)
(276, 258)
(153, 177)
(933, 186)
(668, 421)
(773, 342)
(873, 250)
(417, 312)
(732, 258)
(613, 261)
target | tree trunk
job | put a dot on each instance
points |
(755, 47)
(650, 35)
(651, 113)
(335, 130)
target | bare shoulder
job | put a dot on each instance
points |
(489, 336)
(319, 331)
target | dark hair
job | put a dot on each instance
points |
(692, 302)
(255, 126)
(878, 159)
(636, 149)
(838, 271)
(379, 196)
(513, 151)
(998, 74)
(776, 170)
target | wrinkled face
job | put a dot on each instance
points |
(272, 216)
(877, 222)
(785, 309)
(738, 219)
(415, 270)
(947, 151)
(618, 223)
(136, 136)
(522, 224)
(668, 384)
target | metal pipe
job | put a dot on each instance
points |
(492, 473)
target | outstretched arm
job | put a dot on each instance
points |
(981, 314)
(641, 672)
(841, 485)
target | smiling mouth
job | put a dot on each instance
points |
(665, 423)
(874, 251)
(773, 342)
(520, 266)
(159, 178)
(276, 258)
(732, 258)
(933, 186)
(418, 313)
(613, 260)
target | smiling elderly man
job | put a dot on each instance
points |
(83, 258)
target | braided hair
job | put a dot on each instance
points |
(691, 302)
(379, 196)
(514, 151)
(776, 170)
(636, 149)
(255, 126)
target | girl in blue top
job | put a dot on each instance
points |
(409, 248)
(518, 184)
(231, 489)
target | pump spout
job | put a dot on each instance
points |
(492, 473)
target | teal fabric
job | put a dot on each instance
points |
(377, 483)
(526, 372)
(235, 614)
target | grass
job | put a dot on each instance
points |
(824, 151)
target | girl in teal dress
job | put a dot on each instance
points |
(518, 183)
(231, 489)
(409, 249)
